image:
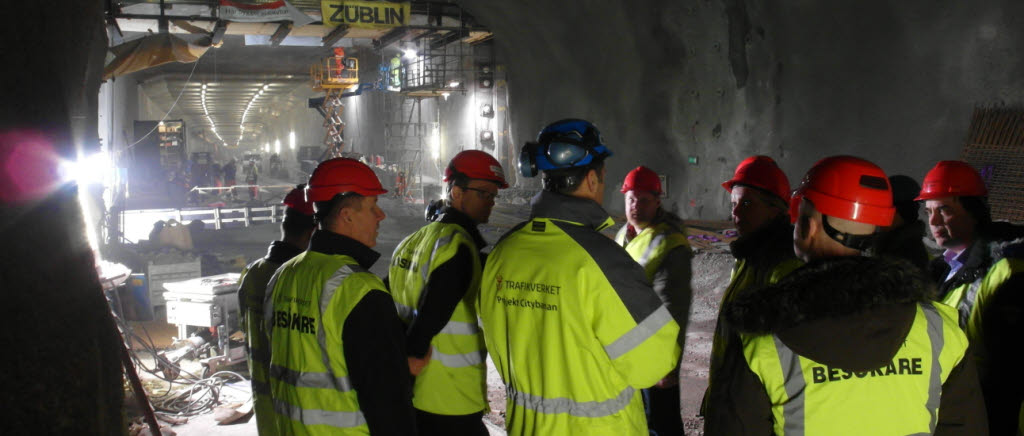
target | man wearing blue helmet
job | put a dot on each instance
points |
(569, 318)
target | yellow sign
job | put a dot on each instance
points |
(366, 14)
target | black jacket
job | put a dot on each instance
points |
(851, 313)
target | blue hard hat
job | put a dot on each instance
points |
(563, 144)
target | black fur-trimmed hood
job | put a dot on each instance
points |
(849, 312)
(828, 288)
(1002, 249)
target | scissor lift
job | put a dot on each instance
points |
(334, 75)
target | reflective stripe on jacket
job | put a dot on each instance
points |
(312, 295)
(901, 398)
(572, 324)
(454, 382)
(650, 246)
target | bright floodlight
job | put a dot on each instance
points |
(435, 144)
(277, 146)
(291, 140)
(87, 170)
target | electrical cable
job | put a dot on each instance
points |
(202, 395)
(199, 395)
(185, 85)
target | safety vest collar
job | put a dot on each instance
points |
(451, 215)
(579, 211)
(280, 252)
(327, 242)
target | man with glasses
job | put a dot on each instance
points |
(570, 320)
(434, 278)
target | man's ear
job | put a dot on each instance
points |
(345, 214)
(812, 225)
(456, 193)
(593, 179)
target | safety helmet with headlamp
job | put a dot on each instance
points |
(568, 143)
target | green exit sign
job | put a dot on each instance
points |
(692, 160)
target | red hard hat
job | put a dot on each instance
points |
(952, 178)
(642, 179)
(341, 175)
(760, 172)
(476, 164)
(296, 199)
(847, 187)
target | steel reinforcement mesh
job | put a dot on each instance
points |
(995, 147)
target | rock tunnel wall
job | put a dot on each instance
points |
(718, 80)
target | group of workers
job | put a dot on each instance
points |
(834, 320)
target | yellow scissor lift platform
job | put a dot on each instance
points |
(333, 75)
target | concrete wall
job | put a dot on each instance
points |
(118, 110)
(894, 82)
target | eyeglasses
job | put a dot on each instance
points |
(484, 195)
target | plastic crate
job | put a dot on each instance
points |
(174, 272)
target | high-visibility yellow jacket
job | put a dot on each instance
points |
(762, 259)
(652, 244)
(454, 381)
(845, 345)
(974, 291)
(902, 397)
(311, 297)
(572, 324)
(663, 250)
(252, 289)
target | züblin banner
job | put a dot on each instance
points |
(366, 14)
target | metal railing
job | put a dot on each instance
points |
(335, 72)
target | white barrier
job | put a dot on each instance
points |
(138, 223)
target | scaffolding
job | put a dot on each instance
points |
(405, 137)
(995, 147)
(427, 66)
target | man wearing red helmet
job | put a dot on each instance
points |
(337, 360)
(981, 274)
(296, 229)
(847, 344)
(656, 238)
(759, 194)
(435, 278)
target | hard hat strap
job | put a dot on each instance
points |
(856, 242)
